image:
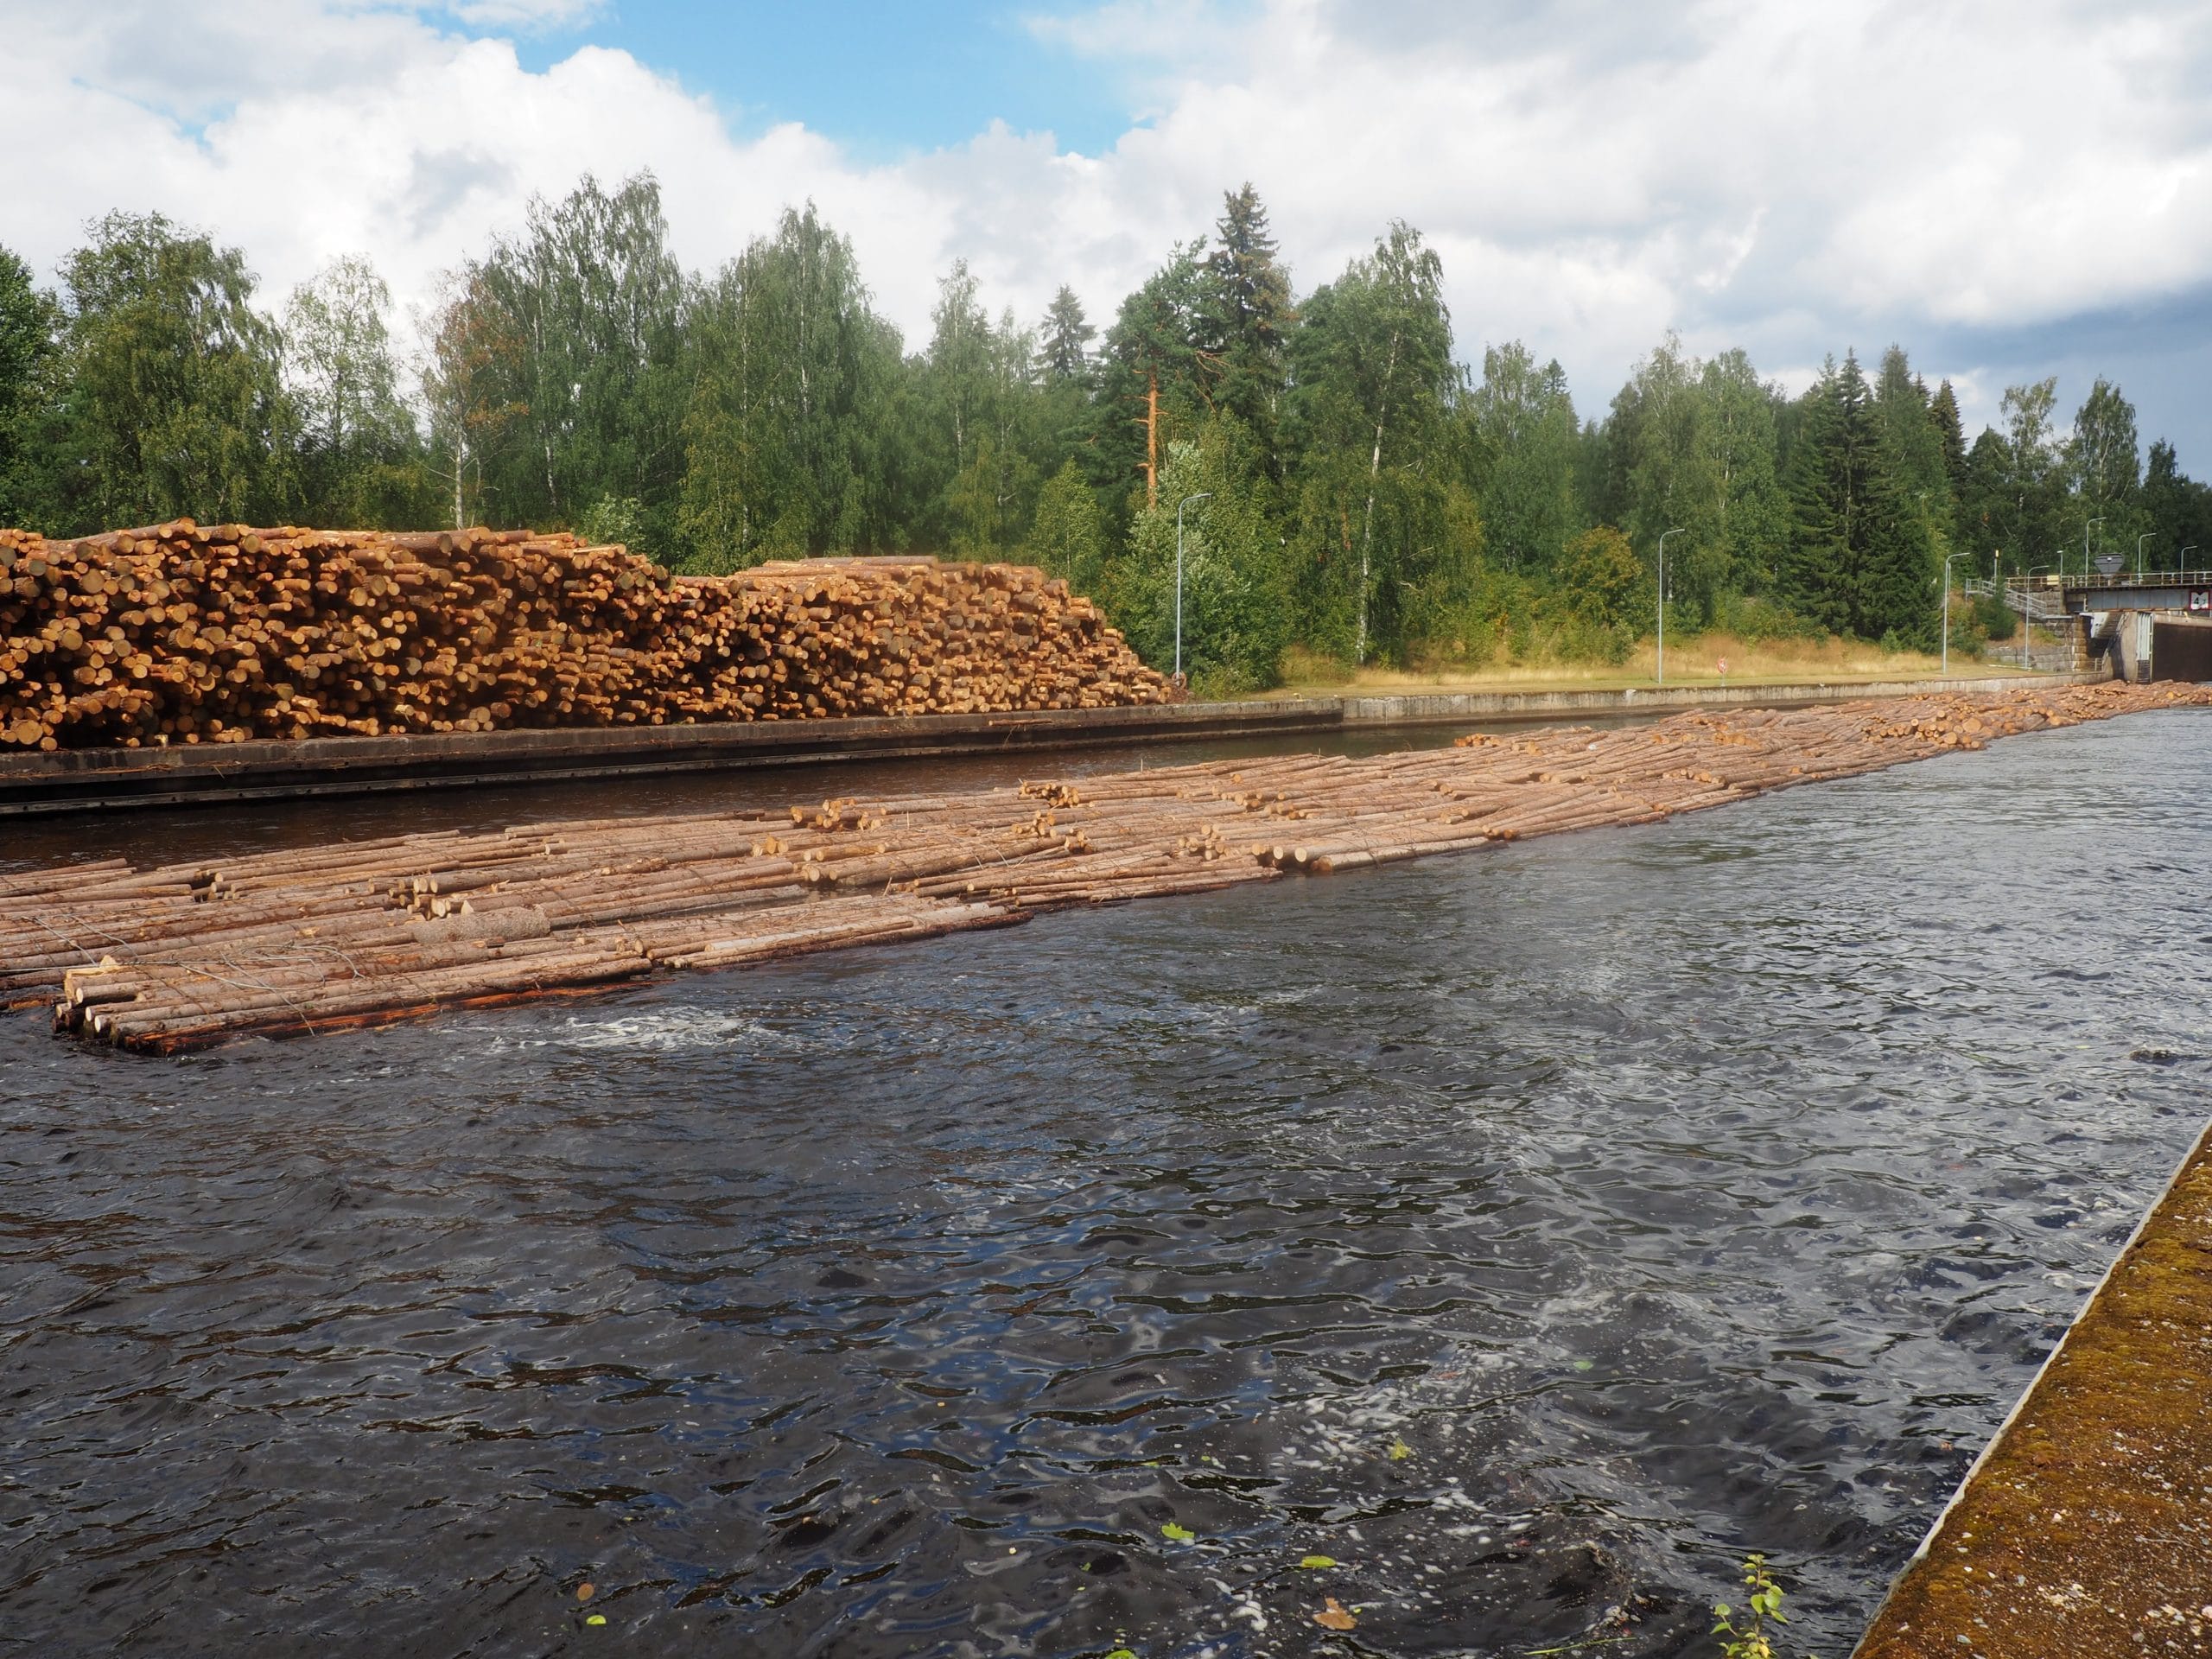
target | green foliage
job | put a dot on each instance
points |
(175, 402)
(565, 373)
(1063, 351)
(790, 434)
(1602, 583)
(1860, 559)
(1244, 320)
(1374, 384)
(1068, 535)
(2176, 512)
(613, 519)
(1154, 361)
(2106, 466)
(1236, 616)
(1673, 480)
(1752, 517)
(1367, 500)
(1522, 433)
(30, 322)
(360, 460)
(1745, 1634)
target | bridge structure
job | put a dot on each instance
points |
(2154, 625)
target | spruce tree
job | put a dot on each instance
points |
(1814, 576)
(1064, 349)
(1950, 435)
(1856, 560)
(1247, 316)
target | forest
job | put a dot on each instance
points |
(1349, 492)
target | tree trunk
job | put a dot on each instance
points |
(1152, 440)
(1367, 525)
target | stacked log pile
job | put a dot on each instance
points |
(313, 939)
(190, 633)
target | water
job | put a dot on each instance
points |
(1532, 1232)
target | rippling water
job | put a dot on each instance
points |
(1531, 1232)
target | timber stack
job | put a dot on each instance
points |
(311, 939)
(190, 633)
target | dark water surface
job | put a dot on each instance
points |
(1533, 1232)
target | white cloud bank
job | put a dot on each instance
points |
(1792, 177)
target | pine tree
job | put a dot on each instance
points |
(1152, 378)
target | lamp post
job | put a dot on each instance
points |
(1202, 495)
(1948, 557)
(1663, 600)
(2181, 559)
(2139, 540)
(2086, 529)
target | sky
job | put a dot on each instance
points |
(2009, 190)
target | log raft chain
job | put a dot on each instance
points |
(365, 932)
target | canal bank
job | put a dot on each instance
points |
(2085, 1527)
(82, 780)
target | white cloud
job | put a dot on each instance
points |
(1794, 178)
(526, 14)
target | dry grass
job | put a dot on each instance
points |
(1692, 661)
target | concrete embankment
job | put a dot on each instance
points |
(93, 779)
(2086, 1527)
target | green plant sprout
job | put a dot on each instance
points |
(1749, 1639)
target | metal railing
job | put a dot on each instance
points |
(2119, 579)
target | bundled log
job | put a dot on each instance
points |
(312, 939)
(191, 633)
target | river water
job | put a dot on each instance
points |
(1532, 1233)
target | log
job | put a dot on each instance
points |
(184, 633)
(320, 939)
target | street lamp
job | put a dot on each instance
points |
(1202, 495)
(2181, 559)
(1663, 600)
(2085, 551)
(2139, 540)
(1948, 557)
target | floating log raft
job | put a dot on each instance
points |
(190, 633)
(360, 933)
